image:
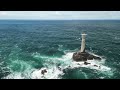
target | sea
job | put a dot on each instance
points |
(27, 47)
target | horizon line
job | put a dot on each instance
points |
(59, 19)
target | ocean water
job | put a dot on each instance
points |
(28, 47)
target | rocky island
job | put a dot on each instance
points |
(82, 55)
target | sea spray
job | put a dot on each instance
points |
(55, 67)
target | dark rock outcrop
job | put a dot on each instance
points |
(43, 71)
(86, 63)
(84, 56)
(96, 65)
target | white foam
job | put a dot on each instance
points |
(117, 38)
(53, 72)
(92, 65)
(14, 76)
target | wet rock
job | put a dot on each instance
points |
(59, 68)
(99, 67)
(43, 71)
(95, 65)
(86, 63)
(84, 56)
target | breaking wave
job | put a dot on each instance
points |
(55, 67)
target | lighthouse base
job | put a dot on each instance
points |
(84, 56)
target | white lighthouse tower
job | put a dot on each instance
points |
(83, 42)
(82, 55)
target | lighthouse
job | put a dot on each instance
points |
(83, 43)
(82, 55)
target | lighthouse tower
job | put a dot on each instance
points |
(82, 55)
(83, 43)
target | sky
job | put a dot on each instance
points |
(59, 15)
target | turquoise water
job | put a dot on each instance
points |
(27, 47)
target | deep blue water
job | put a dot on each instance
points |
(28, 46)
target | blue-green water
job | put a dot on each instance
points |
(26, 47)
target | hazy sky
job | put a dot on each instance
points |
(59, 15)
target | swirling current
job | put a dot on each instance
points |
(27, 47)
